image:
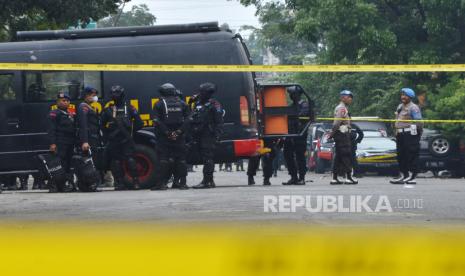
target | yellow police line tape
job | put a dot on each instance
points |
(142, 249)
(234, 68)
(388, 120)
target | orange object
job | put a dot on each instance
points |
(276, 124)
(275, 96)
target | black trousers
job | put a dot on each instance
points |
(172, 155)
(343, 155)
(294, 155)
(354, 158)
(408, 149)
(65, 153)
(117, 154)
(267, 161)
(204, 146)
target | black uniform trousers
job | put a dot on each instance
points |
(267, 161)
(204, 145)
(408, 149)
(172, 155)
(343, 154)
(118, 153)
(65, 152)
(294, 155)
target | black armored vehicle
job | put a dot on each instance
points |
(27, 96)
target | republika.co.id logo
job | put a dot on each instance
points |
(336, 204)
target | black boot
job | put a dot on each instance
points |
(400, 179)
(175, 184)
(335, 180)
(266, 181)
(182, 185)
(301, 180)
(207, 183)
(411, 180)
(251, 180)
(160, 187)
(210, 182)
(292, 181)
(52, 187)
(350, 180)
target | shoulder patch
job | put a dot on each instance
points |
(52, 114)
(342, 111)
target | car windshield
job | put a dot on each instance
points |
(381, 144)
(372, 134)
(371, 125)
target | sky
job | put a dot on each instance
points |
(192, 11)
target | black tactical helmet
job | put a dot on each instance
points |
(295, 89)
(167, 89)
(117, 91)
(208, 88)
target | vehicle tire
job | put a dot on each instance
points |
(147, 164)
(439, 146)
(320, 166)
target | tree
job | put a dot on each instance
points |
(255, 44)
(367, 31)
(139, 15)
(377, 32)
(47, 14)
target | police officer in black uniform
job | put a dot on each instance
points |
(88, 123)
(171, 116)
(62, 137)
(295, 147)
(206, 125)
(120, 120)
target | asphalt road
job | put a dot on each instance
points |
(431, 202)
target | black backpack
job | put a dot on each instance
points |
(87, 174)
(51, 168)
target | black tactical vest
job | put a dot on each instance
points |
(93, 122)
(65, 127)
(121, 115)
(174, 113)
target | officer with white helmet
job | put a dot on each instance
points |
(342, 165)
(407, 137)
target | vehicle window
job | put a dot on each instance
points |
(6, 88)
(381, 144)
(44, 86)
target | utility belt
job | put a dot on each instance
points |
(344, 128)
(411, 130)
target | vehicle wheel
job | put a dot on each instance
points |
(439, 146)
(320, 166)
(146, 159)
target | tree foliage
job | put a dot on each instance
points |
(50, 14)
(377, 32)
(139, 15)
